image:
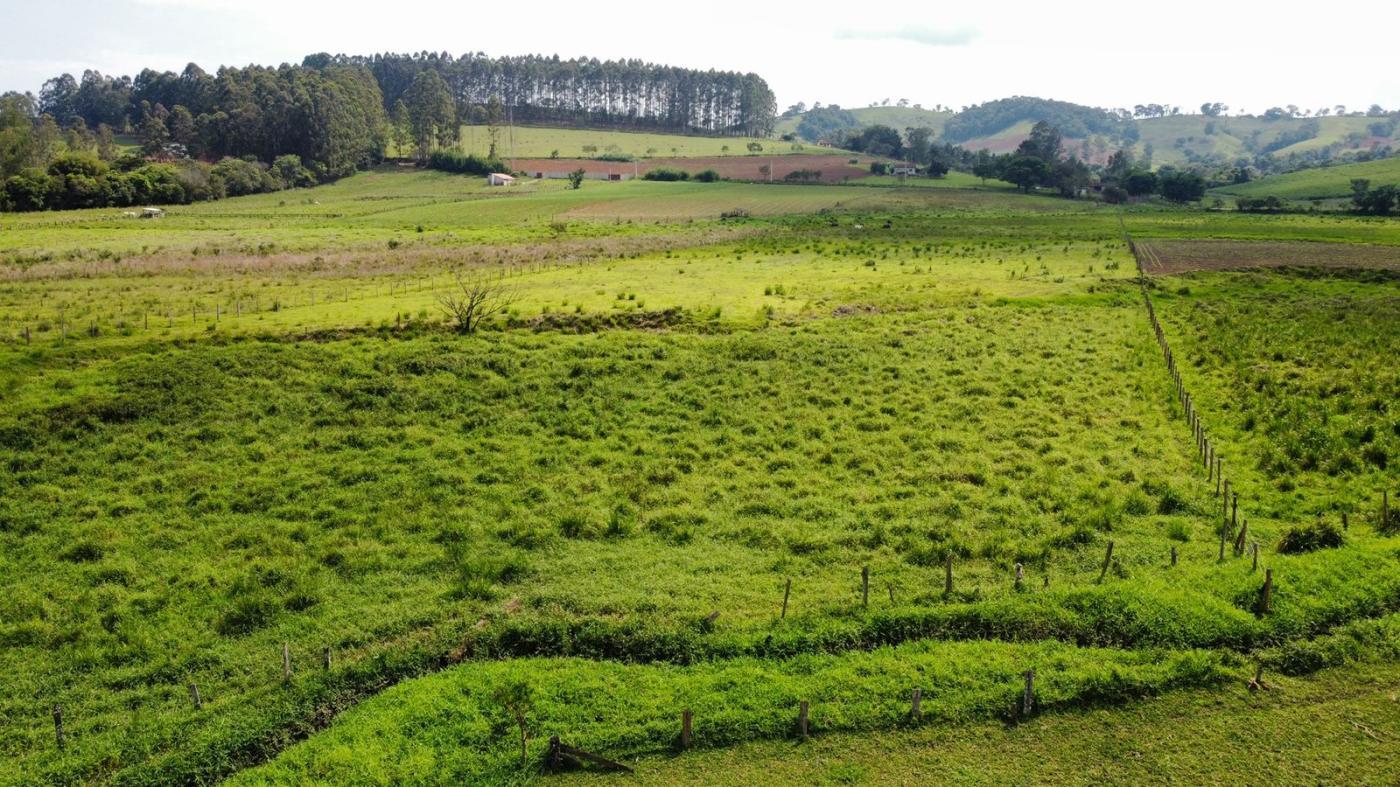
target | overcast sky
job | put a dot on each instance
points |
(1247, 55)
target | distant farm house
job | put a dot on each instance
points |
(499, 179)
(152, 213)
(905, 169)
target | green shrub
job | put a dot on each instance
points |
(1309, 538)
(666, 174)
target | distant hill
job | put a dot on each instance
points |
(895, 117)
(1184, 139)
(1319, 182)
(1178, 140)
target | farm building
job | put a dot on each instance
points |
(499, 179)
(151, 213)
(905, 169)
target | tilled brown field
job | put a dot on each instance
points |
(1165, 257)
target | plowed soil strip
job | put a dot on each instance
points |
(1165, 257)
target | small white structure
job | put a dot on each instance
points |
(903, 170)
(499, 179)
(151, 213)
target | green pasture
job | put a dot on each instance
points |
(1336, 726)
(676, 416)
(1319, 183)
(544, 142)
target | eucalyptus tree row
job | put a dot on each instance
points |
(629, 93)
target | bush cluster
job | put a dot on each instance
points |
(464, 163)
(80, 180)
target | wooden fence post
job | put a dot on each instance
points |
(58, 726)
(1255, 548)
(1344, 520)
(1385, 508)
(915, 711)
(1107, 558)
(802, 719)
(948, 575)
(865, 586)
(1173, 556)
(1020, 576)
(286, 661)
(326, 662)
(194, 696)
(685, 728)
(1028, 694)
(787, 591)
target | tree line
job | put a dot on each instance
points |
(330, 115)
(581, 91)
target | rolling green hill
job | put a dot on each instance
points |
(1320, 182)
(1180, 139)
(895, 117)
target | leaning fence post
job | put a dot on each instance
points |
(787, 591)
(1107, 558)
(194, 696)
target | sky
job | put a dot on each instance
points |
(1109, 54)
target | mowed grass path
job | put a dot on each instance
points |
(1337, 727)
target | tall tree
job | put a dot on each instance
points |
(430, 108)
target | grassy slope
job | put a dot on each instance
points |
(896, 117)
(1339, 726)
(541, 142)
(1320, 183)
(1231, 133)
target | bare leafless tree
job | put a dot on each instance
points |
(474, 298)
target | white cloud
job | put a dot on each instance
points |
(926, 36)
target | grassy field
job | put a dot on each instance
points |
(543, 142)
(677, 415)
(1320, 183)
(898, 118)
(1337, 727)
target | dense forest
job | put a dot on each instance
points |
(583, 91)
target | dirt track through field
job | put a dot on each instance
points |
(1166, 257)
